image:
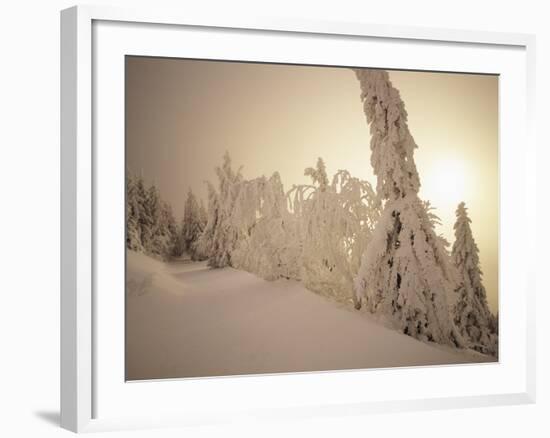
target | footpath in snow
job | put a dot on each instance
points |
(186, 320)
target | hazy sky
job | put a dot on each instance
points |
(182, 115)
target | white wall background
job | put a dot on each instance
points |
(29, 217)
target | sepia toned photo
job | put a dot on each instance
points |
(295, 218)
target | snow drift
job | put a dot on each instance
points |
(187, 320)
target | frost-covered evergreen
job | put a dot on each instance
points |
(161, 233)
(155, 242)
(392, 145)
(150, 223)
(405, 273)
(335, 221)
(203, 215)
(318, 174)
(204, 246)
(179, 244)
(268, 244)
(225, 232)
(471, 312)
(245, 216)
(133, 229)
(192, 226)
(144, 215)
(171, 229)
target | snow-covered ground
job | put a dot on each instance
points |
(186, 320)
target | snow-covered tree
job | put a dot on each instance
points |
(169, 229)
(471, 312)
(203, 215)
(162, 229)
(267, 246)
(133, 232)
(150, 223)
(179, 244)
(225, 233)
(406, 274)
(192, 226)
(204, 246)
(155, 243)
(392, 145)
(318, 174)
(144, 215)
(335, 221)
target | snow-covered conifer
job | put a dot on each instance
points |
(318, 174)
(156, 221)
(392, 145)
(204, 246)
(169, 229)
(133, 233)
(179, 243)
(155, 243)
(225, 233)
(334, 223)
(203, 215)
(145, 218)
(471, 312)
(267, 246)
(192, 226)
(150, 223)
(406, 274)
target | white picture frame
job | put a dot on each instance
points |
(83, 46)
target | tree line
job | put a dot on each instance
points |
(150, 224)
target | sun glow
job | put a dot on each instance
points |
(446, 182)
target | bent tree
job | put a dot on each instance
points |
(405, 274)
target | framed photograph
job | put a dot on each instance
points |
(284, 219)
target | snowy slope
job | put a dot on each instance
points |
(186, 320)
